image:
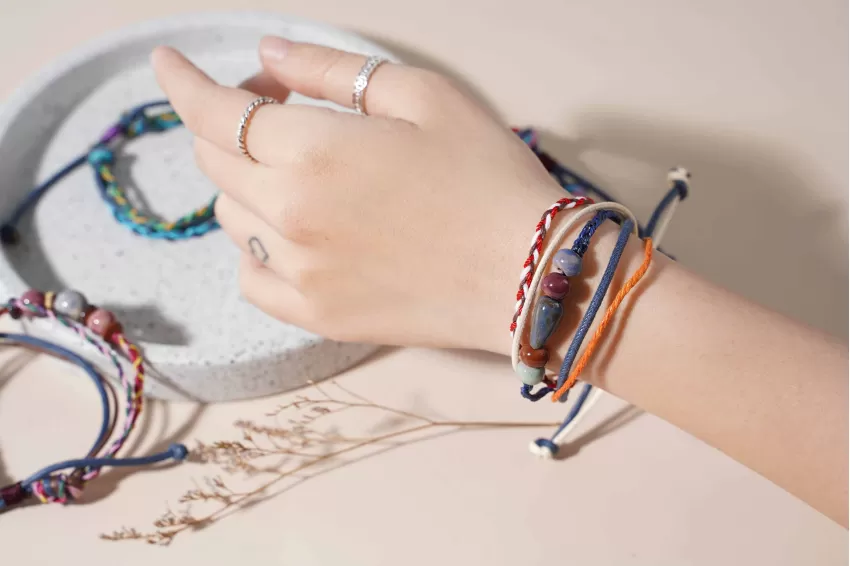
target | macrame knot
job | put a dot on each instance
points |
(58, 488)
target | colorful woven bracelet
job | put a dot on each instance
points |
(65, 481)
(101, 157)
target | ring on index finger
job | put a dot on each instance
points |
(245, 122)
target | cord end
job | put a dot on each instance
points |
(680, 179)
(9, 235)
(544, 449)
(178, 451)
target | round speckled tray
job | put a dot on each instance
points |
(180, 301)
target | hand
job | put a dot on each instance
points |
(408, 226)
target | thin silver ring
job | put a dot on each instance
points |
(245, 121)
(361, 82)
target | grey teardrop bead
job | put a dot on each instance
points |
(70, 303)
(529, 375)
(544, 321)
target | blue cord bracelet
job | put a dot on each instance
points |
(51, 481)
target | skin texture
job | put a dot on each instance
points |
(408, 227)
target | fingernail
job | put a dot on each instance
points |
(274, 48)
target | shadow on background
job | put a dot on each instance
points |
(750, 224)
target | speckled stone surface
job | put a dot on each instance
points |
(180, 301)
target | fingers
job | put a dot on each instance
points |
(212, 112)
(263, 289)
(256, 238)
(249, 183)
(328, 74)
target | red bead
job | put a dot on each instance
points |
(101, 322)
(556, 285)
(533, 358)
(34, 298)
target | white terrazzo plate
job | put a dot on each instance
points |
(180, 300)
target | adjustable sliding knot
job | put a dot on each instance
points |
(680, 179)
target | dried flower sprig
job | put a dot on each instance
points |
(294, 446)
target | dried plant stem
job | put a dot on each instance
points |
(293, 441)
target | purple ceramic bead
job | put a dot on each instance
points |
(34, 298)
(556, 285)
(568, 261)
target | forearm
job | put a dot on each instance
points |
(767, 391)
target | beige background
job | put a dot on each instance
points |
(750, 95)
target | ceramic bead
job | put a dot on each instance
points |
(34, 298)
(568, 262)
(533, 358)
(529, 375)
(100, 321)
(70, 303)
(544, 321)
(555, 285)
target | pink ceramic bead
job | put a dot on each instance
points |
(34, 298)
(100, 321)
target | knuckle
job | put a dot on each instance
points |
(313, 160)
(431, 82)
(290, 222)
(304, 279)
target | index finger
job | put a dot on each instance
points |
(213, 112)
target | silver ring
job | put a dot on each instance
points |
(245, 121)
(361, 82)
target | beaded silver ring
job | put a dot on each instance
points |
(245, 121)
(361, 82)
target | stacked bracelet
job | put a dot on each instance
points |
(530, 356)
(64, 481)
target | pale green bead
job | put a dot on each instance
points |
(529, 375)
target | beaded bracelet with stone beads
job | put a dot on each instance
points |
(549, 308)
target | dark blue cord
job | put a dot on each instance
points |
(59, 351)
(595, 301)
(583, 240)
(574, 411)
(679, 191)
(174, 452)
(23, 489)
(580, 246)
(584, 327)
(8, 232)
